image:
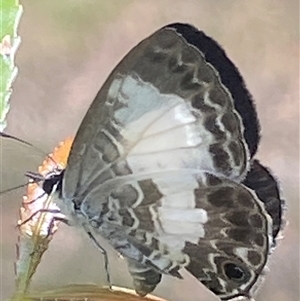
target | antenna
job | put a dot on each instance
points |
(34, 177)
(12, 189)
(4, 135)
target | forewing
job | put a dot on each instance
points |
(165, 107)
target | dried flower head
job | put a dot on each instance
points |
(39, 219)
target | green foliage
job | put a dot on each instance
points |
(10, 13)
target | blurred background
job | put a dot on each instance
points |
(68, 49)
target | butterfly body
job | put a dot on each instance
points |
(157, 166)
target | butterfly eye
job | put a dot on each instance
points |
(50, 181)
(234, 272)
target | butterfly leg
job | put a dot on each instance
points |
(52, 224)
(54, 211)
(104, 253)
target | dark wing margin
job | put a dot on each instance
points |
(260, 179)
(230, 77)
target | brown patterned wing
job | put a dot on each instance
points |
(262, 182)
(215, 228)
(174, 92)
(173, 116)
(266, 187)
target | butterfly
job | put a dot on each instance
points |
(162, 167)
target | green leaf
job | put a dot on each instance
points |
(10, 13)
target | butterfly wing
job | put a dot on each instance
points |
(215, 228)
(172, 114)
(168, 86)
(260, 179)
